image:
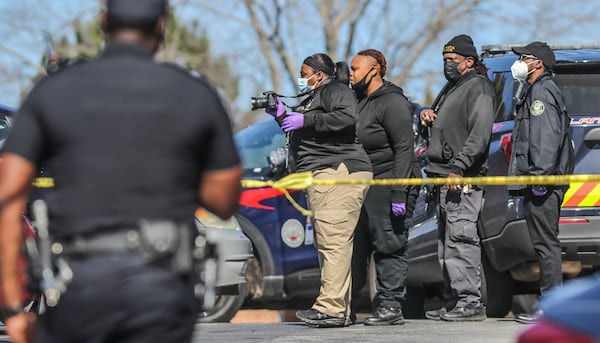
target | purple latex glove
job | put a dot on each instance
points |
(293, 121)
(399, 208)
(279, 110)
(539, 191)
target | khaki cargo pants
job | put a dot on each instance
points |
(336, 211)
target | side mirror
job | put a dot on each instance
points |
(277, 158)
(279, 163)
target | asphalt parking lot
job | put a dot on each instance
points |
(423, 331)
(271, 326)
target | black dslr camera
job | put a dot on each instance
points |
(267, 101)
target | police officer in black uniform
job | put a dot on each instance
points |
(135, 147)
(541, 145)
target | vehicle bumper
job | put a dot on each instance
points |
(579, 242)
(234, 250)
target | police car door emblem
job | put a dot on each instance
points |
(537, 108)
(292, 233)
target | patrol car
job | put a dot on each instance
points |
(509, 262)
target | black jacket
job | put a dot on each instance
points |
(328, 137)
(385, 131)
(541, 137)
(460, 138)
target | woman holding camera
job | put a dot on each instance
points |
(323, 140)
(386, 132)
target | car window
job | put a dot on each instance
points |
(255, 144)
(504, 88)
(581, 92)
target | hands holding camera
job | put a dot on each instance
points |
(292, 120)
(278, 110)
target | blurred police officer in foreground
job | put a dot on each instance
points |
(135, 147)
(541, 145)
(460, 126)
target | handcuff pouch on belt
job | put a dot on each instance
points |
(190, 253)
(165, 239)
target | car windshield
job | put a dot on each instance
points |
(581, 91)
(255, 144)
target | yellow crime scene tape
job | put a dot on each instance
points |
(584, 189)
(580, 184)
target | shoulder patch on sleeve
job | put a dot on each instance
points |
(537, 108)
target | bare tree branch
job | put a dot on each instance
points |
(353, 22)
(447, 14)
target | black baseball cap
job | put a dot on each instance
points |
(134, 13)
(540, 50)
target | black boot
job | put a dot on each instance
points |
(318, 319)
(465, 314)
(435, 314)
(385, 316)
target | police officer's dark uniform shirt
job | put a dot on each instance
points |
(385, 131)
(125, 138)
(460, 137)
(541, 138)
(328, 137)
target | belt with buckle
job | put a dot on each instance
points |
(122, 241)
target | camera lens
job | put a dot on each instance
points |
(259, 102)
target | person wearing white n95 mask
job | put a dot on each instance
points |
(541, 145)
(520, 69)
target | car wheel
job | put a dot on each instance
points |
(414, 303)
(226, 306)
(496, 289)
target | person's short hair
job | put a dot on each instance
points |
(137, 14)
(378, 56)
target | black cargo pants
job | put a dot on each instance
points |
(121, 298)
(542, 215)
(385, 235)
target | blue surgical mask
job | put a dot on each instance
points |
(303, 85)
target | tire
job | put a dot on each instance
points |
(496, 289)
(414, 303)
(225, 308)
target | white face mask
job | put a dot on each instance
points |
(303, 85)
(520, 70)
